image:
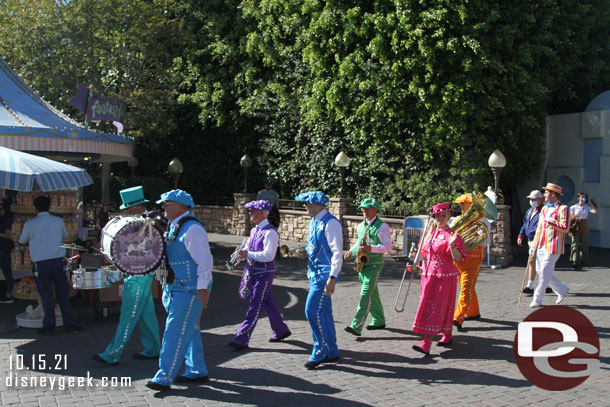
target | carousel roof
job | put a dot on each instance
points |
(29, 123)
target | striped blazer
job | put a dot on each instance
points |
(551, 233)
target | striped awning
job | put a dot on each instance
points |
(19, 170)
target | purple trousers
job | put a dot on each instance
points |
(261, 298)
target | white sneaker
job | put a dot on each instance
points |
(535, 305)
(560, 297)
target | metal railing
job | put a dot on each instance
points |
(217, 201)
(291, 204)
(398, 212)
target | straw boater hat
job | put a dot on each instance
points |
(441, 207)
(464, 198)
(553, 187)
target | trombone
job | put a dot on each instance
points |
(299, 252)
(410, 268)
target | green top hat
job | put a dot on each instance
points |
(132, 196)
(370, 203)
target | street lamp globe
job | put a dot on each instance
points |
(245, 162)
(342, 161)
(175, 169)
(497, 162)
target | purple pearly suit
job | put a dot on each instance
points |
(256, 284)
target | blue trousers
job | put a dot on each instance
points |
(182, 336)
(319, 312)
(48, 273)
(138, 308)
(5, 265)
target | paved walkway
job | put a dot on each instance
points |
(379, 368)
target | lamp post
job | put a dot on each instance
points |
(342, 161)
(245, 162)
(175, 169)
(497, 162)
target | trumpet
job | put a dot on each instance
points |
(411, 268)
(298, 252)
(230, 265)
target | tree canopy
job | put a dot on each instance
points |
(417, 93)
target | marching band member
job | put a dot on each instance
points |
(324, 246)
(137, 306)
(549, 244)
(190, 260)
(441, 248)
(468, 304)
(257, 280)
(374, 240)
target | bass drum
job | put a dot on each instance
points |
(133, 244)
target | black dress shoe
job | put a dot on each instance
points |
(458, 326)
(185, 379)
(420, 350)
(309, 365)
(138, 355)
(156, 386)
(333, 360)
(281, 338)
(549, 290)
(351, 331)
(237, 346)
(445, 344)
(473, 318)
(374, 327)
(528, 291)
(73, 328)
(103, 361)
(46, 331)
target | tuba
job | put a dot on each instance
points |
(298, 252)
(468, 226)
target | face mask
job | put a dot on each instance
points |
(583, 200)
(534, 204)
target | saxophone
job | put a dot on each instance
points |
(361, 258)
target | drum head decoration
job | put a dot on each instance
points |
(133, 244)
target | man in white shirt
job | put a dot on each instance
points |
(579, 250)
(324, 247)
(374, 240)
(190, 262)
(257, 279)
(44, 233)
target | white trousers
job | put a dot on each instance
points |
(545, 267)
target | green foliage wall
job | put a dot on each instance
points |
(417, 93)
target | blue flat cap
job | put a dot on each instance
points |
(260, 204)
(179, 196)
(314, 197)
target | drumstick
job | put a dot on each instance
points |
(527, 268)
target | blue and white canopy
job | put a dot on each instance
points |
(18, 171)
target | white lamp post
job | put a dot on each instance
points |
(342, 161)
(245, 162)
(497, 162)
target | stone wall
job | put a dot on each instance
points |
(295, 223)
(500, 249)
(216, 219)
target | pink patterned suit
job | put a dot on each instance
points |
(438, 284)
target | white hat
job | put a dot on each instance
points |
(535, 194)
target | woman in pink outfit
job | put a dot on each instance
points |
(441, 247)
